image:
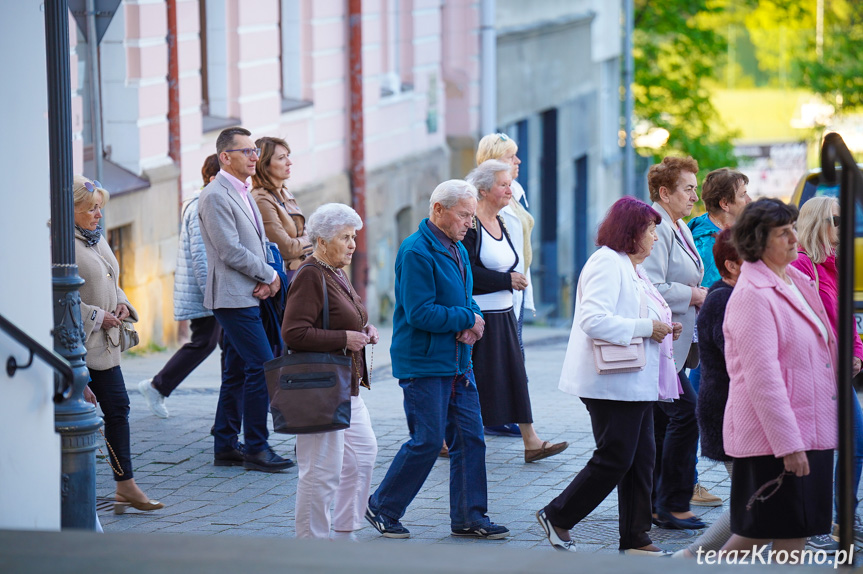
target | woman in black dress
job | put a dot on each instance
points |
(497, 359)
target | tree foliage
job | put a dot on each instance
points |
(676, 51)
(838, 74)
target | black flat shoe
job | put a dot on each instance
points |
(266, 461)
(233, 457)
(670, 522)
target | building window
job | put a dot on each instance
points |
(397, 30)
(214, 65)
(290, 64)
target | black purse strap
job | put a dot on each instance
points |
(326, 311)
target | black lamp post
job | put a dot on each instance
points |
(74, 419)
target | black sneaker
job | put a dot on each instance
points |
(490, 531)
(386, 526)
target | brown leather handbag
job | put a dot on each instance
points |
(310, 392)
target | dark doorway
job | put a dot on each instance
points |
(548, 210)
(582, 233)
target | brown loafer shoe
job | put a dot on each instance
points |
(546, 450)
(444, 451)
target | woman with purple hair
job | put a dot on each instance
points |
(617, 303)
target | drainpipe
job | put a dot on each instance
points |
(488, 73)
(629, 101)
(359, 266)
(74, 419)
(174, 96)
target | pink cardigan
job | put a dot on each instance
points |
(782, 395)
(828, 289)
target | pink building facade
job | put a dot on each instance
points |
(280, 68)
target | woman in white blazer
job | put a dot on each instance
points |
(617, 303)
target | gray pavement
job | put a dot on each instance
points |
(173, 463)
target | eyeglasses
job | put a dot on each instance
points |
(835, 219)
(759, 495)
(91, 186)
(247, 151)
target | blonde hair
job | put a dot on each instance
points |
(494, 146)
(813, 227)
(85, 199)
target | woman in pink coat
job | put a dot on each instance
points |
(780, 419)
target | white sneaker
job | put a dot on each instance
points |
(155, 400)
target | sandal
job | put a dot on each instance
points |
(546, 450)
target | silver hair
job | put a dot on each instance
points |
(484, 176)
(329, 219)
(450, 193)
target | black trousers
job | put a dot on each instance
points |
(624, 458)
(110, 391)
(206, 334)
(676, 430)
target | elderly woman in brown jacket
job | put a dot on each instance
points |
(284, 222)
(104, 306)
(335, 467)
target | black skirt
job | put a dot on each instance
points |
(498, 366)
(801, 507)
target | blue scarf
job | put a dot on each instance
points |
(91, 237)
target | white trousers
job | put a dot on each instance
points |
(335, 469)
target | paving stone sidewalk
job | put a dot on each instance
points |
(173, 463)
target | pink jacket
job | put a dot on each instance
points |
(828, 288)
(782, 395)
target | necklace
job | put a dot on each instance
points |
(714, 222)
(326, 265)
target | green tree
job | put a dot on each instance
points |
(676, 52)
(838, 74)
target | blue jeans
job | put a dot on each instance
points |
(858, 457)
(434, 407)
(695, 381)
(243, 396)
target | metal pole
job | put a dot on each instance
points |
(628, 102)
(359, 266)
(846, 356)
(95, 84)
(488, 74)
(74, 419)
(851, 191)
(819, 29)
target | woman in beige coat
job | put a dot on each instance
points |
(104, 306)
(284, 222)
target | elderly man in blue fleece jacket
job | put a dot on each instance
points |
(435, 323)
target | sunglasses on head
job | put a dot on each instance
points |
(503, 137)
(836, 220)
(91, 186)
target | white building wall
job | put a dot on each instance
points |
(30, 456)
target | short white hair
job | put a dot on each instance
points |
(450, 192)
(329, 219)
(484, 176)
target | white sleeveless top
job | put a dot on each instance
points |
(496, 255)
